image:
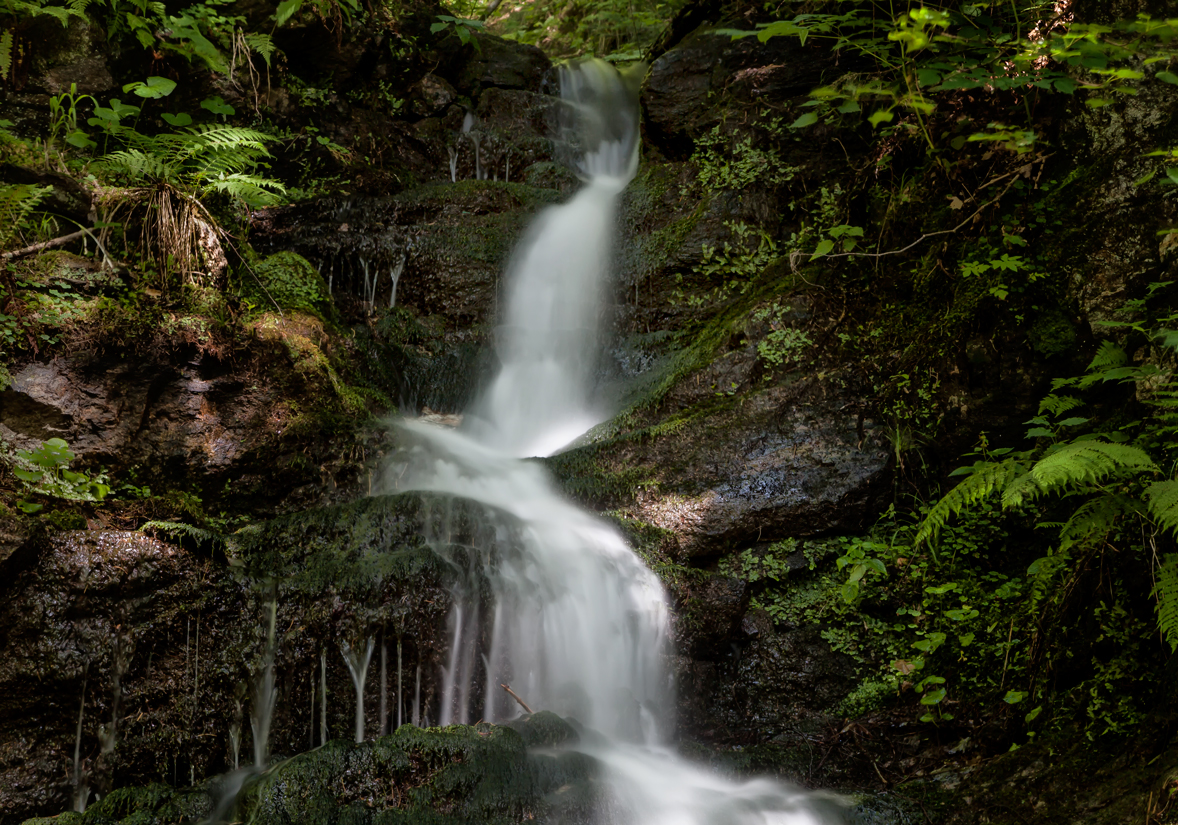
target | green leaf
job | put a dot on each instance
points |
(80, 139)
(933, 697)
(179, 119)
(1030, 717)
(824, 247)
(965, 639)
(153, 88)
(808, 119)
(286, 10)
(928, 77)
(30, 476)
(882, 116)
(1013, 697)
(28, 506)
(217, 106)
(1167, 77)
(930, 643)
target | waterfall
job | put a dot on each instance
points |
(575, 622)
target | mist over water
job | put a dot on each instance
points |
(574, 621)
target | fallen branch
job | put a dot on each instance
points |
(514, 696)
(38, 247)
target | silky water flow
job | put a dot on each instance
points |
(574, 621)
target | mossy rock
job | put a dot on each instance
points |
(290, 281)
(441, 776)
(354, 545)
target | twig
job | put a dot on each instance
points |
(927, 235)
(514, 696)
(37, 247)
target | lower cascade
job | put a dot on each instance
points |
(556, 611)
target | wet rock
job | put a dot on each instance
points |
(77, 54)
(791, 460)
(182, 634)
(482, 775)
(1118, 249)
(503, 64)
(14, 534)
(677, 96)
(432, 95)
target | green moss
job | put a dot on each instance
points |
(484, 774)
(355, 546)
(289, 281)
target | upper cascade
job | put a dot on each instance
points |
(548, 341)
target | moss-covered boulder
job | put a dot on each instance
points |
(480, 775)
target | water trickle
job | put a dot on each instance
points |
(81, 786)
(265, 694)
(549, 599)
(357, 663)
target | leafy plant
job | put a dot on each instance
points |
(464, 29)
(1103, 479)
(170, 175)
(45, 470)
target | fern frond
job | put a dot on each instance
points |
(137, 165)
(1057, 405)
(225, 161)
(178, 529)
(16, 202)
(78, 7)
(1077, 463)
(987, 478)
(1107, 357)
(232, 137)
(5, 54)
(1093, 520)
(1166, 592)
(251, 190)
(1162, 497)
(261, 44)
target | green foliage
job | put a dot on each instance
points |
(201, 160)
(17, 202)
(783, 343)
(731, 162)
(734, 267)
(1166, 593)
(616, 30)
(463, 29)
(926, 53)
(291, 282)
(45, 471)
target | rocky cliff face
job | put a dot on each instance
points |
(747, 416)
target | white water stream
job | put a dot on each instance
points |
(576, 624)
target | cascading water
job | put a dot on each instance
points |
(574, 621)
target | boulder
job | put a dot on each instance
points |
(677, 98)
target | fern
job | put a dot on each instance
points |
(137, 166)
(1073, 464)
(261, 44)
(5, 54)
(1162, 497)
(1057, 405)
(178, 529)
(1093, 520)
(1166, 593)
(16, 202)
(251, 190)
(986, 479)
